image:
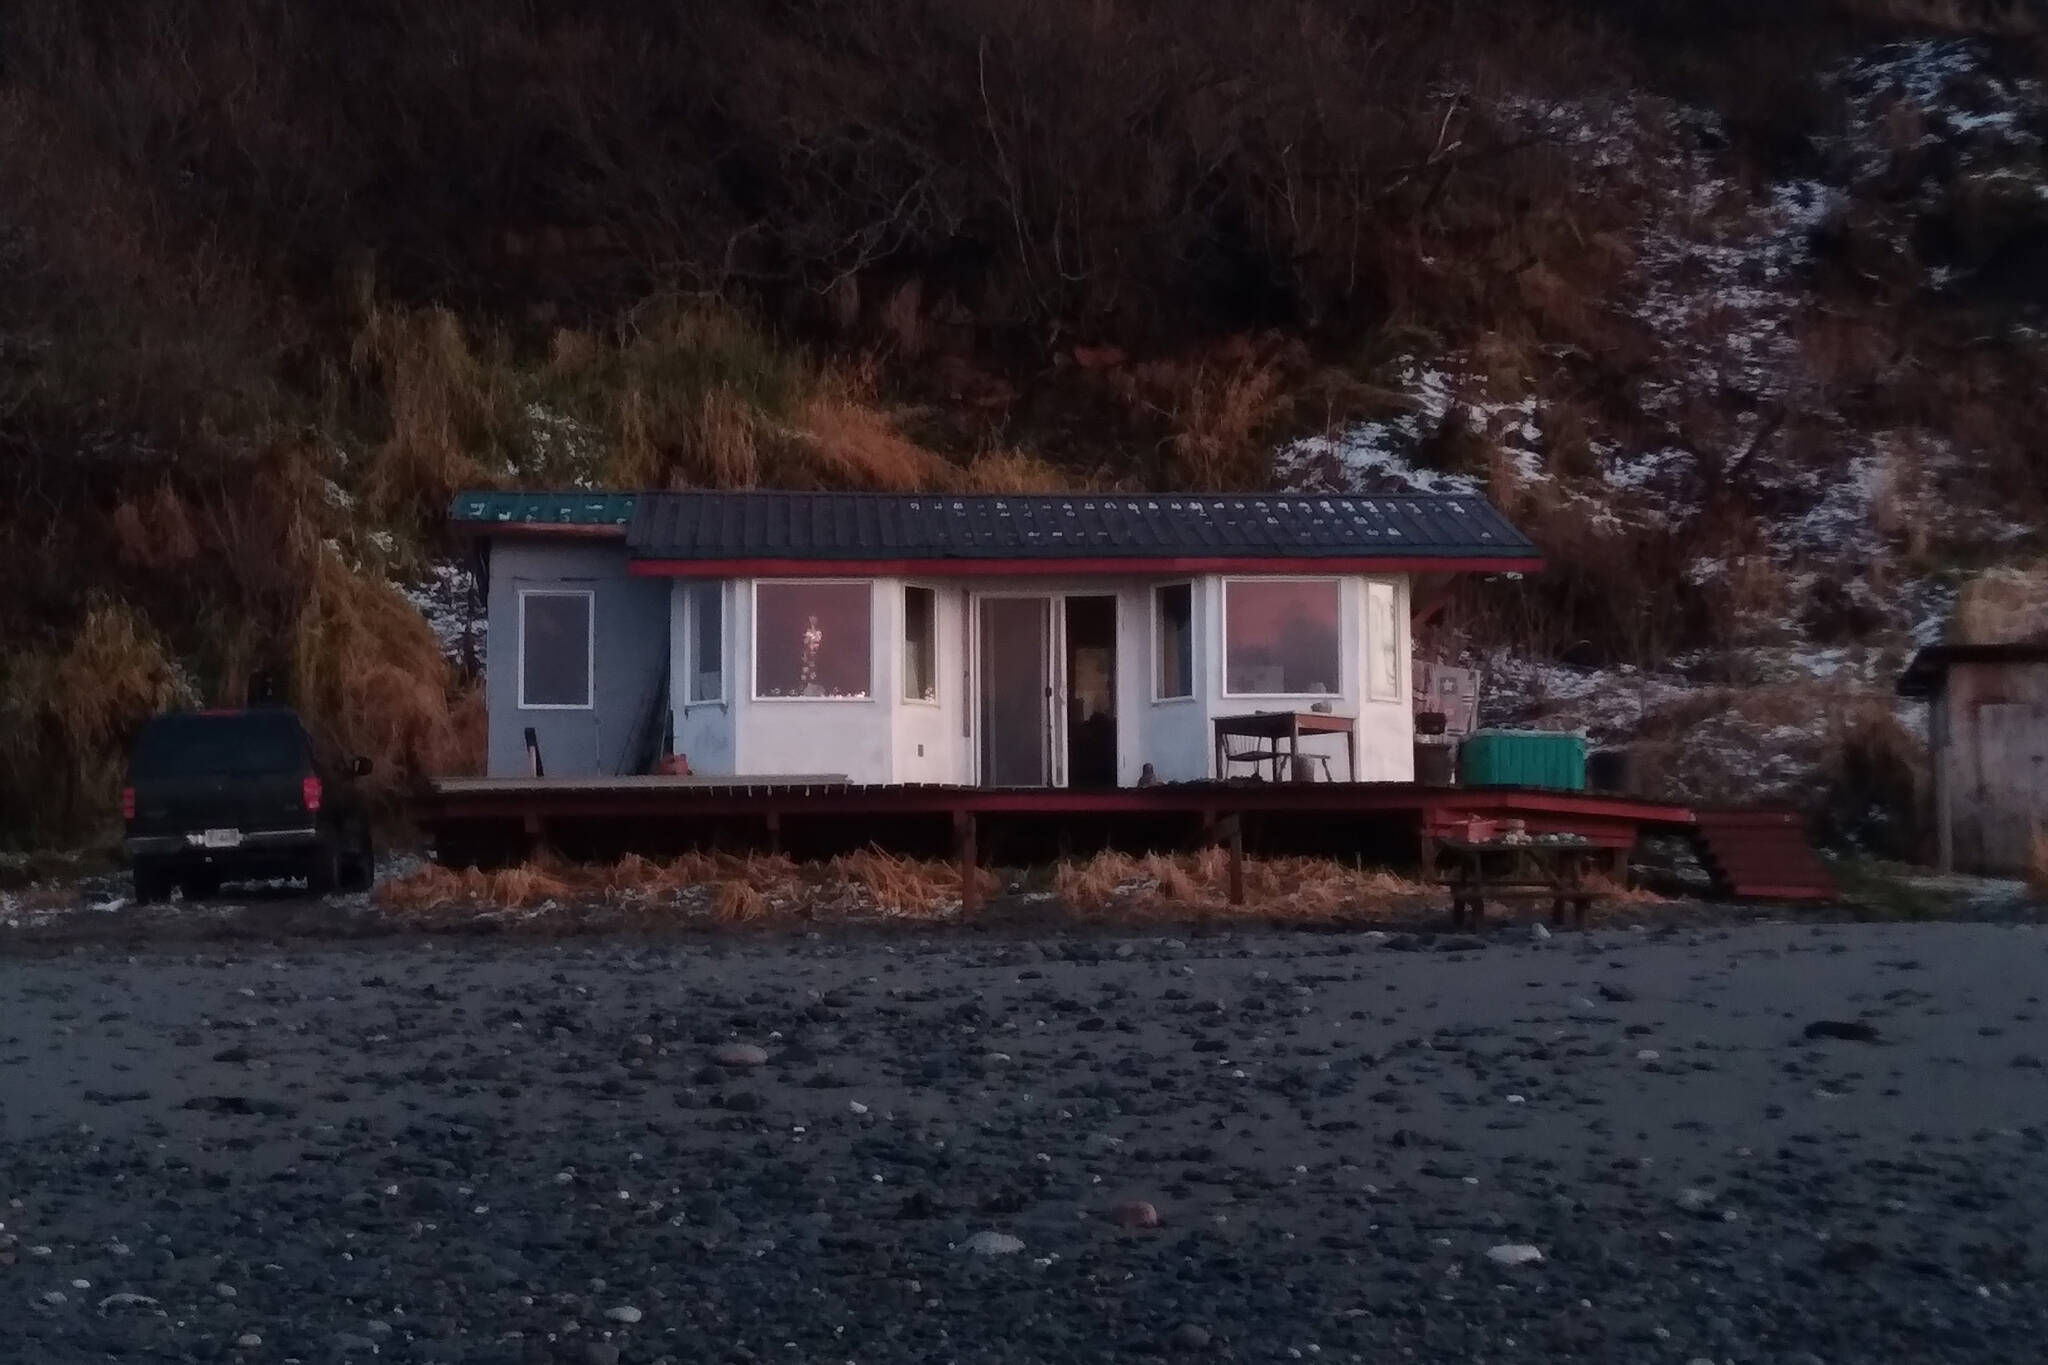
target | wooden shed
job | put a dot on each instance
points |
(1987, 728)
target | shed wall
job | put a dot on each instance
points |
(1990, 731)
(629, 646)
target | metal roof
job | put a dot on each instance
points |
(1927, 674)
(478, 510)
(852, 527)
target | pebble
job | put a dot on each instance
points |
(625, 1313)
(1694, 1200)
(992, 1244)
(1190, 1337)
(739, 1055)
(1135, 1213)
(1513, 1254)
(249, 1341)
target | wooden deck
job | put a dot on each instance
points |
(486, 821)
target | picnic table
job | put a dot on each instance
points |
(1532, 870)
(1275, 726)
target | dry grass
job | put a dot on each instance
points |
(1162, 886)
(67, 713)
(370, 671)
(2004, 606)
(728, 888)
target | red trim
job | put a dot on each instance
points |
(1055, 567)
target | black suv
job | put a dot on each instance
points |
(218, 796)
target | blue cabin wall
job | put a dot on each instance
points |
(630, 619)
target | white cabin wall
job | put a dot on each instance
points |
(1174, 735)
(928, 737)
(792, 736)
(1386, 727)
(704, 731)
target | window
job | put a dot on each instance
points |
(812, 640)
(1280, 637)
(1383, 631)
(705, 607)
(555, 651)
(1173, 641)
(920, 644)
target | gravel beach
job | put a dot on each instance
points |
(1760, 1143)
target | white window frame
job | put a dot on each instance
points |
(589, 702)
(1159, 638)
(1376, 589)
(754, 644)
(903, 641)
(690, 669)
(1223, 635)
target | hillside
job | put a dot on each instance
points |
(1739, 315)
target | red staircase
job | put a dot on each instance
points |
(1761, 854)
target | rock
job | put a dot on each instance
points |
(1620, 995)
(126, 1301)
(625, 1313)
(1512, 1254)
(1135, 1213)
(1539, 933)
(738, 1055)
(601, 1353)
(1648, 1054)
(249, 1341)
(1846, 1030)
(992, 1244)
(2027, 1061)
(1694, 1200)
(351, 1343)
(377, 1328)
(1189, 1337)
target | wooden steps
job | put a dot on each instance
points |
(1761, 854)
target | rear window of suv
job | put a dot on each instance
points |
(228, 744)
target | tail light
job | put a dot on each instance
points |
(127, 803)
(309, 793)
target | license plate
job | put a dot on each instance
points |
(221, 838)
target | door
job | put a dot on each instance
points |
(2012, 749)
(1015, 658)
(1090, 630)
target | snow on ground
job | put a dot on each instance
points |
(447, 599)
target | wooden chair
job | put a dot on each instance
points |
(1258, 754)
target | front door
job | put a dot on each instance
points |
(1016, 666)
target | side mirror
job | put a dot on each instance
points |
(359, 767)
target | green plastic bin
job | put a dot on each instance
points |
(1523, 758)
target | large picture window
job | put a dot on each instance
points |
(813, 640)
(920, 644)
(555, 650)
(1173, 641)
(705, 607)
(1280, 637)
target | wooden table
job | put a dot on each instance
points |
(1290, 726)
(1555, 872)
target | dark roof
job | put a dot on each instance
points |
(540, 511)
(1928, 672)
(858, 527)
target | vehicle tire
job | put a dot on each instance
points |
(152, 884)
(323, 871)
(359, 869)
(200, 886)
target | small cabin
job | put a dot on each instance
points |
(1987, 729)
(980, 640)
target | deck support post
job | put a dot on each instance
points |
(774, 822)
(963, 851)
(1229, 831)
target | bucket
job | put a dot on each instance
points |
(1435, 764)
